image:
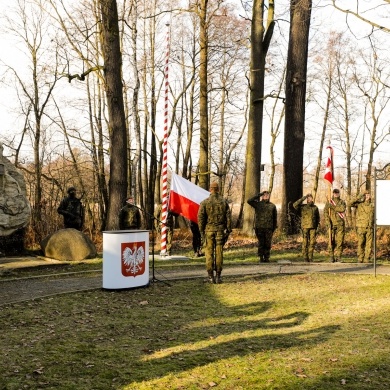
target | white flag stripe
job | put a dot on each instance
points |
(187, 189)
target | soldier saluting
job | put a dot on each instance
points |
(334, 216)
(265, 223)
(310, 219)
(215, 225)
(364, 225)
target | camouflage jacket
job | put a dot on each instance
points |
(364, 212)
(214, 214)
(333, 213)
(72, 210)
(129, 217)
(310, 215)
(265, 213)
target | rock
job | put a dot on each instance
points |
(68, 245)
(15, 209)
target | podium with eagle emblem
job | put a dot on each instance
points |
(125, 259)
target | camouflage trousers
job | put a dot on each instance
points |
(365, 239)
(308, 243)
(213, 250)
(264, 238)
(336, 241)
(169, 239)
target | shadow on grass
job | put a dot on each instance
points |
(239, 347)
(103, 339)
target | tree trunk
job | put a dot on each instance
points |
(204, 178)
(294, 132)
(260, 40)
(116, 113)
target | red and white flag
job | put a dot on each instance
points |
(329, 166)
(185, 197)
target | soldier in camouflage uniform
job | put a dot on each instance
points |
(129, 216)
(364, 225)
(310, 219)
(334, 216)
(72, 210)
(169, 223)
(214, 220)
(265, 223)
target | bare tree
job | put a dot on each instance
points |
(204, 167)
(116, 113)
(261, 34)
(355, 12)
(294, 133)
(327, 69)
(374, 89)
(35, 91)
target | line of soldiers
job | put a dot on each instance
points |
(215, 224)
(334, 217)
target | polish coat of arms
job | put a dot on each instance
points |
(133, 258)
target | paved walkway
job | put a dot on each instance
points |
(18, 290)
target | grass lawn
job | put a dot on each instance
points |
(314, 331)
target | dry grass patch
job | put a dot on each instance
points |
(273, 332)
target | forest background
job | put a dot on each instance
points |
(54, 106)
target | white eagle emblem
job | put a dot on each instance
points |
(133, 259)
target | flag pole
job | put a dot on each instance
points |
(164, 206)
(329, 176)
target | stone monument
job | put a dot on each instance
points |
(15, 209)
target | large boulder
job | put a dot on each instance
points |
(68, 245)
(15, 209)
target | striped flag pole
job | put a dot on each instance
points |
(164, 206)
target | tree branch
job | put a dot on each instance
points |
(82, 76)
(357, 15)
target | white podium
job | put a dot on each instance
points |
(125, 259)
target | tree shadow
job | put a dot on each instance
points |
(170, 334)
(239, 347)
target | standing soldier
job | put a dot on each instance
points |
(129, 216)
(265, 223)
(334, 215)
(169, 223)
(310, 219)
(364, 225)
(214, 220)
(196, 239)
(72, 210)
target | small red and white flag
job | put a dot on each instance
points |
(329, 166)
(185, 197)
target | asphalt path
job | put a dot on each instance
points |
(13, 290)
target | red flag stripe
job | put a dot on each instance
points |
(185, 197)
(329, 166)
(183, 206)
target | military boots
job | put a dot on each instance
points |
(211, 277)
(219, 279)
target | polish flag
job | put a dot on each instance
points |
(185, 197)
(329, 166)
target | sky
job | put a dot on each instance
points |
(323, 14)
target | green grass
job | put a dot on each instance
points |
(315, 331)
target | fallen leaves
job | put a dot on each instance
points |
(300, 373)
(38, 371)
